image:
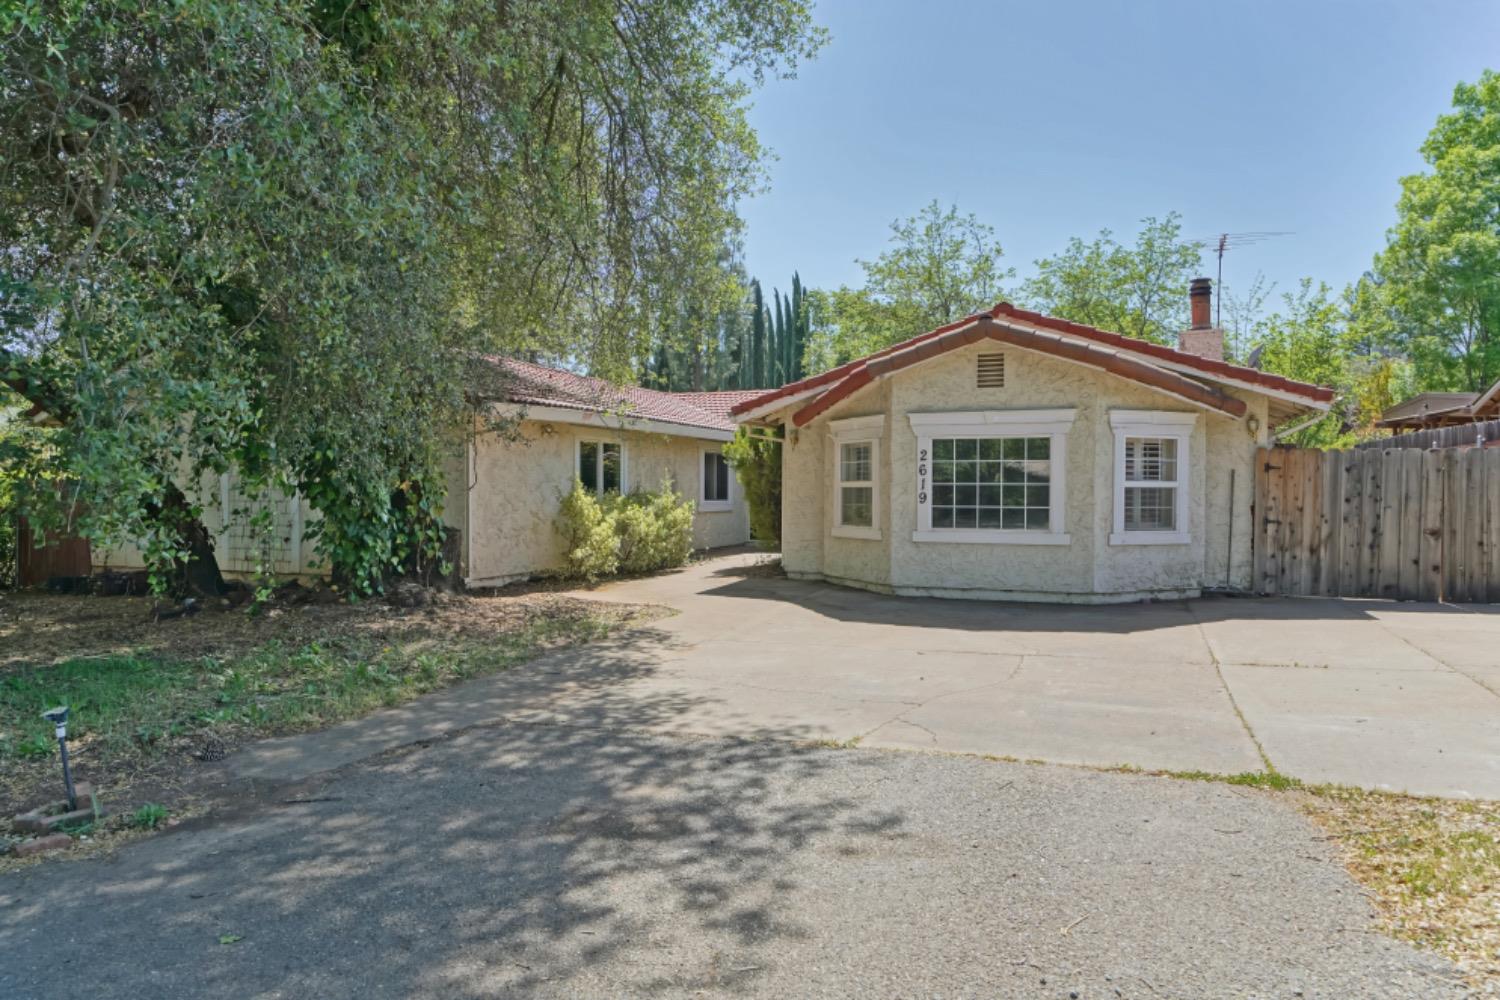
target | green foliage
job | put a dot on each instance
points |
(757, 463)
(635, 533)
(262, 236)
(149, 816)
(940, 267)
(1140, 290)
(1435, 294)
(655, 530)
(588, 530)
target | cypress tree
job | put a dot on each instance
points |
(758, 337)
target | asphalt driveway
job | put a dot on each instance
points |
(518, 860)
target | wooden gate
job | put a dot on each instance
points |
(1404, 523)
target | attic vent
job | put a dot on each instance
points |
(991, 371)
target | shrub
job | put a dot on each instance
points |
(589, 534)
(635, 533)
(757, 462)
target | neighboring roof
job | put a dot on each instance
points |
(1443, 409)
(529, 384)
(1164, 368)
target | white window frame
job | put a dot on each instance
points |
(714, 505)
(857, 430)
(1052, 424)
(1153, 424)
(599, 463)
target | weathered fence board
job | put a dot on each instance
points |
(1403, 523)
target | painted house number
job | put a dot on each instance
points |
(921, 475)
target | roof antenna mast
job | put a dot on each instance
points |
(1222, 244)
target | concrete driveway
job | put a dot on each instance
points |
(1404, 697)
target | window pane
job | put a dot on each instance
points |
(588, 465)
(1150, 460)
(715, 477)
(611, 470)
(854, 463)
(991, 483)
(1150, 508)
(858, 506)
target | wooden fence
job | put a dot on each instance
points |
(1458, 436)
(1402, 523)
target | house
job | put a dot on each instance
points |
(1442, 409)
(1012, 455)
(539, 428)
(504, 493)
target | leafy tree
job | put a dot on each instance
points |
(940, 267)
(1140, 290)
(260, 236)
(1438, 278)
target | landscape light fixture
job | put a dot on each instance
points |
(59, 718)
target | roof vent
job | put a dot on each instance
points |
(991, 371)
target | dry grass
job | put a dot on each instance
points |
(1431, 865)
(146, 695)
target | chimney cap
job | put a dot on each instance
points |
(1201, 286)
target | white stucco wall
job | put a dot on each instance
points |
(509, 510)
(1088, 567)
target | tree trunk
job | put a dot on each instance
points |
(198, 574)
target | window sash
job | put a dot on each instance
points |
(715, 487)
(991, 482)
(1153, 477)
(601, 466)
(856, 486)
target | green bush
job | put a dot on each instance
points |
(635, 533)
(757, 462)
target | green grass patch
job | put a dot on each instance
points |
(140, 704)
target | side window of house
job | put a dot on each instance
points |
(715, 479)
(856, 484)
(1151, 477)
(601, 466)
(1150, 484)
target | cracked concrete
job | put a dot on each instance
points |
(1381, 695)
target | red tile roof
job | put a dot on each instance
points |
(537, 385)
(1204, 367)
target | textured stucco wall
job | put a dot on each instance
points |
(1087, 568)
(518, 486)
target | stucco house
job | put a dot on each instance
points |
(506, 483)
(505, 491)
(1011, 455)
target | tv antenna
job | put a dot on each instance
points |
(1223, 243)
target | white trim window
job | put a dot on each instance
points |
(992, 476)
(1152, 475)
(715, 482)
(600, 466)
(856, 476)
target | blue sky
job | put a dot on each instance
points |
(1055, 119)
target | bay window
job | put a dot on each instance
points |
(996, 476)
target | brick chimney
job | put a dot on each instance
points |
(1202, 338)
